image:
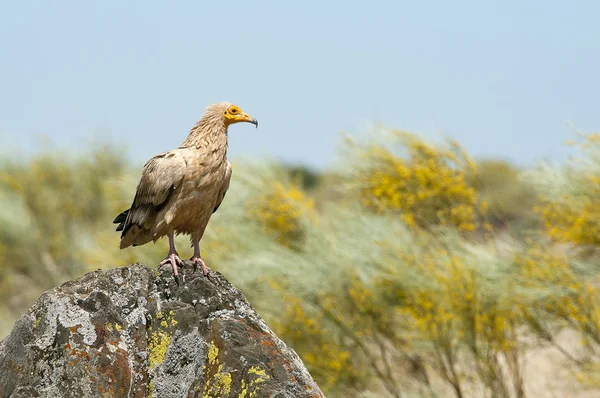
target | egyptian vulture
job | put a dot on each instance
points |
(179, 190)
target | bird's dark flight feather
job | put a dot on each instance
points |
(120, 219)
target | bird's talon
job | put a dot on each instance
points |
(173, 260)
(197, 261)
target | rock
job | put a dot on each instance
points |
(134, 332)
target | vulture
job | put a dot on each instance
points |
(179, 190)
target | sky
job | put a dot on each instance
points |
(507, 79)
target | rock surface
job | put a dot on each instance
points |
(133, 332)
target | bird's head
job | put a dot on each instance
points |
(233, 114)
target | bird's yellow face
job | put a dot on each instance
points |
(234, 114)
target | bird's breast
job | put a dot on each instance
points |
(196, 200)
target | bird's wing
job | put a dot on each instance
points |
(161, 176)
(224, 187)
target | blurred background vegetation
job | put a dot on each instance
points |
(414, 270)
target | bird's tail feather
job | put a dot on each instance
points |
(135, 236)
(120, 219)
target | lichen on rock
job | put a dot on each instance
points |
(133, 332)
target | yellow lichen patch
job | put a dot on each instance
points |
(261, 377)
(157, 345)
(219, 384)
(159, 339)
(244, 391)
(258, 371)
(213, 353)
(118, 327)
(250, 390)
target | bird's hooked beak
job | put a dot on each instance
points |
(249, 119)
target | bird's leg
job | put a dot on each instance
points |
(173, 257)
(196, 259)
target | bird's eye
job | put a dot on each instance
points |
(234, 110)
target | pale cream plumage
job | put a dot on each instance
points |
(179, 190)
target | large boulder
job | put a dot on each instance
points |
(134, 332)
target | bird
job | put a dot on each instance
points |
(179, 190)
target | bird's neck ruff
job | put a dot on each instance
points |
(210, 132)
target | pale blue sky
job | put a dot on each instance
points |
(504, 78)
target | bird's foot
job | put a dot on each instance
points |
(174, 260)
(196, 260)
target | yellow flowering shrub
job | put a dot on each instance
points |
(456, 315)
(569, 296)
(567, 223)
(328, 361)
(425, 185)
(446, 316)
(369, 329)
(574, 216)
(280, 212)
(56, 200)
(562, 294)
(340, 335)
